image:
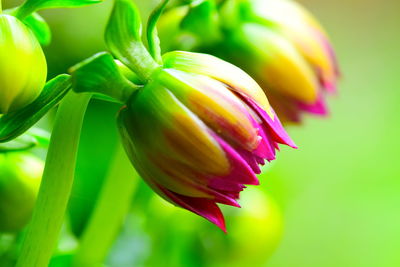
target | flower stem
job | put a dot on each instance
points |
(48, 216)
(113, 205)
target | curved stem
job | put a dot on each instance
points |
(55, 189)
(113, 205)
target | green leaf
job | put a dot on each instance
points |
(31, 6)
(16, 123)
(99, 128)
(100, 74)
(39, 27)
(123, 29)
(152, 36)
(123, 39)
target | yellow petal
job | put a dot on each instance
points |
(220, 70)
(280, 64)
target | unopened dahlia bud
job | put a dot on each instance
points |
(20, 176)
(279, 43)
(285, 49)
(198, 131)
(23, 67)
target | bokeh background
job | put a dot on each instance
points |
(338, 194)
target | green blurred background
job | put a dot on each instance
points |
(340, 192)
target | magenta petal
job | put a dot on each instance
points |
(222, 184)
(227, 199)
(260, 161)
(201, 206)
(250, 159)
(265, 149)
(318, 108)
(240, 171)
(275, 128)
(329, 87)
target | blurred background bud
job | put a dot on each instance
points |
(20, 176)
(255, 231)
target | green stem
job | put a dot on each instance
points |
(110, 211)
(139, 60)
(55, 189)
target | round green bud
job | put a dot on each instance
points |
(20, 176)
(23, 67)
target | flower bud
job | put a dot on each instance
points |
(198, 131)
(311, 53)
(279, 43)
(23, 67)
(20, 176)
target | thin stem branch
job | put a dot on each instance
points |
(48, 216)
(111, 209)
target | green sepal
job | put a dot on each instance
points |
(39, 27)
(100, 74)
(152, 35)
(30, 6)
(16, 123)
(123, 39)
(202, 20)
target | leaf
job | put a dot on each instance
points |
(16, 123)
(123, 29)
(152, 36)
(123, 39)
(99, 128)
(100, 74)
(39, 27)
(31, 6)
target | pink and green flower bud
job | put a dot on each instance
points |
(20, 176)
(307, 35)
(287, 52)
(23, 66)
(198, 131)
